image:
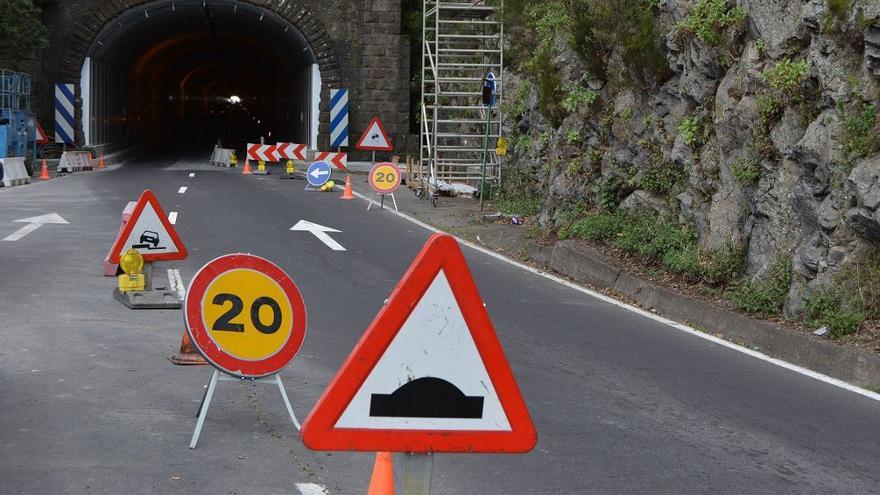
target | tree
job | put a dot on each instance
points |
(22, 32)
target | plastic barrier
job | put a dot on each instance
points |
(110, 268)
(220, 157)
(13, 172)
(75, 161)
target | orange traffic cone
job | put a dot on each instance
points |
(187, 354)
(247, 167)
(101, 162)
(382, 481)
(44, 174)
(347, 194)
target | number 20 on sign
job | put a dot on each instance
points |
(384, 178)
(245, 315)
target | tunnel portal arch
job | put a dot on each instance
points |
(109, 21)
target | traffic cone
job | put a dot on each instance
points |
(187, 354)
(44, 174)
(101, 162)
(347, 194)
(247, 167)
(382, 481)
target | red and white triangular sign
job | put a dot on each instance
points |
(149, 231)
(374, 138)
(428, 375)
(41, 137)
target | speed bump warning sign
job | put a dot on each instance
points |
(429, 374)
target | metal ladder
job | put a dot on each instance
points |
(462, 42)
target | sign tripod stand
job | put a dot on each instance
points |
(384, 179)
(216, 376)
(382, 202)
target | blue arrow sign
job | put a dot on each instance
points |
(318, 173)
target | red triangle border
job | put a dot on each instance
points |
(360, 143)
(148, 197)
(440, 252)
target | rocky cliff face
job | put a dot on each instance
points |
(762, 133)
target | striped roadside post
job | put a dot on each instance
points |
(64, 97)
(338, 118)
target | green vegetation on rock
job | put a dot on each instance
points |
(862, 128)
(746, 171)
(709, 19)
(577, 97)
(825, 309)
(689, 129)
(786, 76)
(763, 297)
(660, 239)
(854, 297)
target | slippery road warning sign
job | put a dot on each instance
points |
(245, 315)
(149, 231)
(374, 138)
(429, 374)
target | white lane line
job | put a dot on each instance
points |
(192, 174)
(674, 324)
(175, 282)
(311, 489)
(172, 217)
(182, 190)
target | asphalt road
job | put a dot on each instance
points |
(622, 403)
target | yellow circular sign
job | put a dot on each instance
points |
(247, 314)
(385, 178)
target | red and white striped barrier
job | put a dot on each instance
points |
(291, 151)
(265, 152)
(340, 160)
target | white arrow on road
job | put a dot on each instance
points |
(33, 223)
(318, 173)
(320, 232)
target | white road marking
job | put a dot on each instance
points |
(320, 232)
(172, 217)
(182, 190)
(674, 324)
(311, 489)
(33, 223)
(192, 174)
(176, 282)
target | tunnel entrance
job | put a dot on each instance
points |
(192, 73)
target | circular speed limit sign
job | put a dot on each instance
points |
(245, 315)
(385, 177)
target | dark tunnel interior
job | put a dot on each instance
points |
(189, 74)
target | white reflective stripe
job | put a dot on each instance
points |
(311, 489)
(61, 98)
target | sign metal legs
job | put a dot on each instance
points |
(417, 469)
(209, 394)
(382, 202)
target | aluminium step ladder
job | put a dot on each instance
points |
(462, 42)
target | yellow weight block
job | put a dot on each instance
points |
(133, 282)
